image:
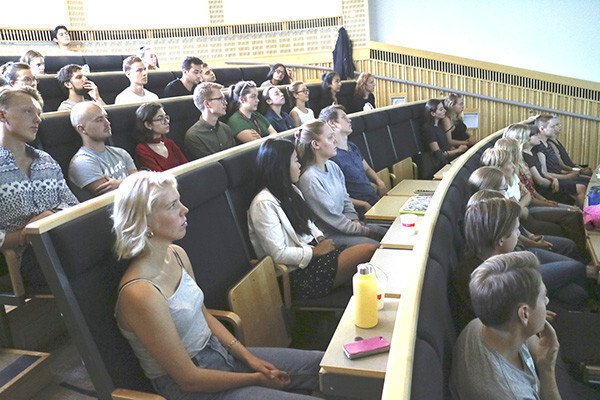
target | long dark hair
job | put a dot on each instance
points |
(286, 78)
(273, 173)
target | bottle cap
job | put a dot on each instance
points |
(365, 269)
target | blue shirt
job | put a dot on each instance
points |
(283, 123)
(357, 182)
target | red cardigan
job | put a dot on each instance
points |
(146, 158)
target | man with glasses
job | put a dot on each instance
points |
(78, 85)
(209, 135)
(96, 168)
(19, 75)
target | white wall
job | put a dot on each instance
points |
(560, 37)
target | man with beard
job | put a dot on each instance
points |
(79, 86)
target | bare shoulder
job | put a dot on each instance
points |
(187, 264)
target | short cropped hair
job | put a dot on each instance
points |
(8, 94)
(187, 63)
(66, 73)
(331, 113)
(503, 282)
(203, 92)
(486, 222)
(134, 201)
(542, 120)
(129, 61)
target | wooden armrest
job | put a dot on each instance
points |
(591, 374)
(14, 272)
(231, 318)
(284, 273)
(126, 394)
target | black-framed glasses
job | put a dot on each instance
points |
(165, 119)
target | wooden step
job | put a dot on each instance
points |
(22, 373)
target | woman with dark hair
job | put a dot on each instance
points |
(246, 122)
(363, 99)
(280, 225)
(453, 124)
(330, 86)
(155, 152)
(278, 75)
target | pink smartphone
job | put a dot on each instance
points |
(366, 347)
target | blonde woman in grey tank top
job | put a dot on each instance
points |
(182, 348)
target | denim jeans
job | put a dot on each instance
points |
(302, 365)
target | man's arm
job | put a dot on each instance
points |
(372, 175)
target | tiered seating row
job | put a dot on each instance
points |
(97, 63)
(112, 83)
(75, 246)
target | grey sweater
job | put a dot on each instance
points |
(325, 192)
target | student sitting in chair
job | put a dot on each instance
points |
(182, 348)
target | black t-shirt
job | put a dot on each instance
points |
(175, 88)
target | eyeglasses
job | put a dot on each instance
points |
(222, 99)
(165, 119)
(28, 80)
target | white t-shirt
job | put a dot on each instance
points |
(127, 96)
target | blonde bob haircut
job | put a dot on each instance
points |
(512, 146)
(495, 157)
(518, 132)
(134, 201)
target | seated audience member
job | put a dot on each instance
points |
(149, 58)
(96, 168)
(279, 119)
(191, 75)
(436, 138)
(207, 74)
(184, 350)
(494, 179)
(453, 125)
(35, 60)
(78, 85)
(510, 350)
(278, 75)
(550, 162)
(209, 135)
(362, 183)
(564, 159)
(544, 216)
(331, 84)
(154, 151)
(489, 226)
(19, 75)
(136, 72)
(246, 123)
(298, 95)
(32, 185)
(280, 225)
(60, 36)
(363, 99)
(323, 186)
(528, 137)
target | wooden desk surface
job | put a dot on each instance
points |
(398, 237)
(438, 176)
(386, 209)
(407, 187)
(398, 265)
(594, 247)
(335, 361)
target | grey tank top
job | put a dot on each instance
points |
(185, 306)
